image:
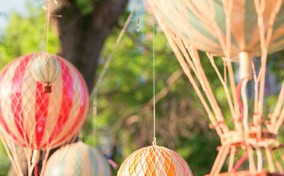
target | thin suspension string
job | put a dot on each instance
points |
(154, 83)
(46, 25)
(94, 93)
(138, 25)
(110, 57)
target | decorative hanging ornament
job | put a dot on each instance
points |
(155, 161)
(77, 159)
(34, 119)
(218, 26)
(45, 69)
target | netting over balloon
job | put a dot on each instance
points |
(45, 69)
(77, 159)
(218, 26)
(230, 31)
(32, 118)
(156, 161)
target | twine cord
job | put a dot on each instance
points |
(110, 57)
(94, 93)
(138, 24)
(154, 83)
(46, 26)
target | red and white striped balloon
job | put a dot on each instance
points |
(35, 119)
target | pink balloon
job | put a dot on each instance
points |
(32, 118)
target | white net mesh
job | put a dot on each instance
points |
(154, 161)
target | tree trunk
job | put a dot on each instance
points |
(82, 36)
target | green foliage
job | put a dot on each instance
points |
(5, 163)
(194, 150)
(24, 35)
(85, 6)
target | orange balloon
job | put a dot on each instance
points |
(154, 161)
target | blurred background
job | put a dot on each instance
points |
(84, 32)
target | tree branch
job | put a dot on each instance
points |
(146, 107)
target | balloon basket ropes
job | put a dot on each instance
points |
(248, 173)
(209, 37)
(249, 149)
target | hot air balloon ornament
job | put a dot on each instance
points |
(154, 160)
(234, 33)
(32, 118)
(45, 69)
(77, 159)
(36, 120)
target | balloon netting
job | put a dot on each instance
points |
(154, 161)
(205, 24)
(32, 118)
(77, 159)
(45, 68)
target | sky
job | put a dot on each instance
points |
(8, 6)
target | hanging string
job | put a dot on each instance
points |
(46, 26)
(154, 83)
(94, 93)
(110, 57)
(138, 25)
(94, 114)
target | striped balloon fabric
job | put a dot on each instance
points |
(77, 159)
(220, 26)
(154, 161)
(35, 119)
(46, 68)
